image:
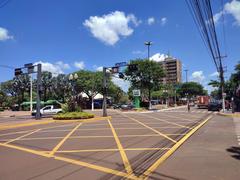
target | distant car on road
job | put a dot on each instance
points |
(127, 106)
(48, 110)
(214, 106)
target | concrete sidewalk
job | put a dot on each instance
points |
(211, 153)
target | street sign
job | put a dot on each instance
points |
(136, 92)
(121, 64)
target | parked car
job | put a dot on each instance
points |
(214, 106)
(127, 106)
(48, 110)
(116, 106)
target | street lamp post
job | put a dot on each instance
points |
(72, 79)
(148, 44)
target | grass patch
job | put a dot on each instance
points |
(73, 115)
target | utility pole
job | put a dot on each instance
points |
(104, 92)
(186, 71)
(148, 44)
(39, 74)
(31, 84)
(221, 76)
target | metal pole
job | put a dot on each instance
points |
(186, 70)
(31, 104)
(39, 72)
(104, 91)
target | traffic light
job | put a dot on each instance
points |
(115, 69)
(132, 67)
(18, 71)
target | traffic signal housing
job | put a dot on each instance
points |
(132, 67)
(18, 71)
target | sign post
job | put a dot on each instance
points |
(136, 95)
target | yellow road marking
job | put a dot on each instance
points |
(64, 139)
(108, 150)
(161, 134)
(191, 120)
(25, 149)
(162, 120)
(72, 161)
(172, 150)
(12, 133)
(25, 135)
(121, 150)
(4, 127)
(85, 137)
(96, 167)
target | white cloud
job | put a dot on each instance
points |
(233, 8)
(123, 84)
(110, 27)
(56, 68)
(158, 57)
(151, 21)
(198, 76)
(4, 35)
(79, 64)
(215, 74)
(163, 21)
(98, 68)
(63, 65)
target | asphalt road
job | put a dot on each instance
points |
(130, 145)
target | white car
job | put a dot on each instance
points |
(48, 110)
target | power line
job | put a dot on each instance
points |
(8, 67)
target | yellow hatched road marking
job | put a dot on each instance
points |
(188, 115)
(162, 120)
(161, 134)
(72, 161)
(154, 166)
(18, 132)
(108, 150)
(64, 139)
(84, 137)
(121, 150)
(18, 138)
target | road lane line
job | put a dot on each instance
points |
(85, 137)
(173, 123)
(161, 134)
(64, 139)
(20, 137)
(18, 132)
(72, 161)
(121, 150)
(108, 150)
(96, 167)
(154, 166)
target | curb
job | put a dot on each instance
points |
(228, 115)
(153, 167)
(84, 120)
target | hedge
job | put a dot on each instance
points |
(73, 115)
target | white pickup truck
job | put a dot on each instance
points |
(48, 110)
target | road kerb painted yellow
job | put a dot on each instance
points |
(228, 115)
(153, 167)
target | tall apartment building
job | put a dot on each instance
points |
(173, 70)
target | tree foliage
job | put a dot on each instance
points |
(191, 89)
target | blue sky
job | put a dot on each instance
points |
(70, 35)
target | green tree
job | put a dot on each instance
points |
(191, 89)
(46, 80)
(147, 77)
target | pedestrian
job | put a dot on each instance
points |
(188, 107)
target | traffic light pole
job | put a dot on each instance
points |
(39, 73)
(104, 91)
